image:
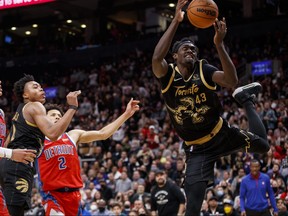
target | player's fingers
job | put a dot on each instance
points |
(78, 92)
(29, 159)
(32, 155)
(31, 151)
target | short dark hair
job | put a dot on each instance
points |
(117, 204)
(50, 106)
(254, 160)
(177, 44)
(19, 86)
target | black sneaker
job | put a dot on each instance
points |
(247, 92)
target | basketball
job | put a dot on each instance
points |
(202, 13)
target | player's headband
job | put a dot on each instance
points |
(178, 44)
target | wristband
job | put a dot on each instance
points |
(73, 107)
(5, 153)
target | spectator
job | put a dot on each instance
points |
(117, 210)
(228, 208)
(204, 208)
(281, 207)
(124, 183)
(213, 207)
(140, 194)
(106, 192)
(268, 116)
(102, 209)
(166, 197)
(253, 190)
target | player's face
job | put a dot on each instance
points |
(54, 115)
(34, 92)
(187, 53)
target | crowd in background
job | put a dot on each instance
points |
(120, 171)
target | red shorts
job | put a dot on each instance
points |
(3, 207)
(62, 203)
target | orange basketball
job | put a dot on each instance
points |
(202, 13)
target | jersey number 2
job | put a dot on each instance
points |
(62, 164)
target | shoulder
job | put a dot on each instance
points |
(35, 106)
(2, 114)
(245, 178)
(173, 185)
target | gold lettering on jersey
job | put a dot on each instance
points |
(180, 91)
(12, 135)
(58, 150)
(22, 185)
(15, 117)
(187, 109)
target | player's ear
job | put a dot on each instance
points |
(175, 55)
(25, 95)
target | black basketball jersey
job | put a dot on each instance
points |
(192, 104)
(24, 134)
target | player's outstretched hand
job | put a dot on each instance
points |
(179, 13)
(23, 155)
(72, 98)
(132, 107)
(220, 31)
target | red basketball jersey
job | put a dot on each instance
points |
(2, 128)
(58, 165)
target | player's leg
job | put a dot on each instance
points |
(3, 206)
(52, 208)
(195, 194)
(17, 186)
(71, 202)
(15, 210)
(245, 95)
(199, 172)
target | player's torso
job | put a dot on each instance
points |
(58, 166)
(24, 134)
(192, 104)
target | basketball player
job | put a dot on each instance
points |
(29, 127)
(58, 165)
(189, 89)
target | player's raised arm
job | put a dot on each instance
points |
(36, 111)
(159, 64)
(88, 136)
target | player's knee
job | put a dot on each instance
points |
(260, 147)
(54, 212)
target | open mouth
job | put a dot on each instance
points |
(189, 56)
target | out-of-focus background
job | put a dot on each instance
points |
(104, 48)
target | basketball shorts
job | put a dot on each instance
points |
(200, 159)
(62, 203)
(16, 180)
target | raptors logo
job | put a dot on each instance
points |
(22, 185)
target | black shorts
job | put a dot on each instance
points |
(16, 180)
(201, 158)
